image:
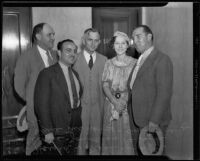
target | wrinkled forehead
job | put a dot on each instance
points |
(138, 31)
(68, 45)
(93, 35)
(48, 29)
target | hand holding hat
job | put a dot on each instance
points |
(152, 127)
(151, 143)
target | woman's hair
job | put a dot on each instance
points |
(111, 45)
(112, 41)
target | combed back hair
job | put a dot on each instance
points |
(37, 29)
(87, 31)
(59, 45)
(146, 29)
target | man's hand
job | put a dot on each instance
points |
(152, 127)
(49, 138)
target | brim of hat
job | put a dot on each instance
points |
(142, 138)
(24, 125)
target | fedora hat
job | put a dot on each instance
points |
(22, 124)
(151, 143)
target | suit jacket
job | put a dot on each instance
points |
(27, 69)
(152, 90)
(92, 101)
(52, 101)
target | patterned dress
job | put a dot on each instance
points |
(116, 138)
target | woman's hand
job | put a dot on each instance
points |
(119, 104)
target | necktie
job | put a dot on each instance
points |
(138, 64)
(50, 60)
(90, 64)
(73, 86)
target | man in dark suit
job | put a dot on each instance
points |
(28, 66)
(57, 101)
(150, 84)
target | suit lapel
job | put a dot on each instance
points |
(54, 55)
(83, 60)
(77, 76)
(61, 80)
(147, 64)
(38, 57)
(84, 64)
(97, 62)
(130, 77)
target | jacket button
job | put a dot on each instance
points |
(69, 112)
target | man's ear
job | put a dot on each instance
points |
(59, 53)
(149, 36)
(38, 36)
(83, 40)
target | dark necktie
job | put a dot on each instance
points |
(90, 64)
(73, 86)
(50, 60)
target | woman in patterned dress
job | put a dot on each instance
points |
(116, 139)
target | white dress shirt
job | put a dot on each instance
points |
(87, 56)
(66, 74)
(44, 56)
(139, 63)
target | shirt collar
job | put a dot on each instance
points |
(41, 50)
(63, 66)
(147, 52)
(87, 55)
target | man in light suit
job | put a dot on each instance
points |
(57, 101)
(89, 66)
(28, 66)
(150, 85)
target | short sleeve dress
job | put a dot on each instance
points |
(116, 139)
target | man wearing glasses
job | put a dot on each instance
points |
(57, 103)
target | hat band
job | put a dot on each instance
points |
(155, 136)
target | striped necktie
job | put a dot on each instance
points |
(73, 86)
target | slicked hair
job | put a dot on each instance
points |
(59, 45)
(146, 29)
(87, 31)
(37, 29)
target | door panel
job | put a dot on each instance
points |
(16, 38)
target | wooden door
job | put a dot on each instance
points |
(110, 19)
(16, 38)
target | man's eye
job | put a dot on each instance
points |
(68, 50)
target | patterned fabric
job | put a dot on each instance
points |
(63, 144)
(116, 132)
(73, 86)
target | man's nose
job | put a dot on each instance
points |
(120, 45)
(52, 37)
